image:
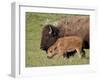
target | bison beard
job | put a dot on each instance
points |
(70, 26)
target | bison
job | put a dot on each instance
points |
(72, 25)
(64, 45)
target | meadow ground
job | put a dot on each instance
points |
(34, 55)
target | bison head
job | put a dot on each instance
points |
(49, 36)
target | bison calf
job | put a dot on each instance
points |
(64, 45)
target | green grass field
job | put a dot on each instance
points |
(34, 55)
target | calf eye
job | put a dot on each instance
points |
(50, 51)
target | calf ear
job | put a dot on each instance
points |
(55, 48)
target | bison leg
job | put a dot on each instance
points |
(83, 53)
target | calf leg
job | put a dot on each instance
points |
(60, 53)
(78, 52)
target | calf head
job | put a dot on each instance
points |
(51, 52)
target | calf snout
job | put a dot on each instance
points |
(49, 57)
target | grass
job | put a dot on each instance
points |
(34, 55)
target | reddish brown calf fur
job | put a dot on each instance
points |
(65, 44)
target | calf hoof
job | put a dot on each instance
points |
(79, 56)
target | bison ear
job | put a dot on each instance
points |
(50, 30)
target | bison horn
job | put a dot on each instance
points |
(50, 30)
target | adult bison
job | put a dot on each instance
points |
(72, 25)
